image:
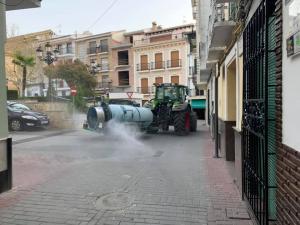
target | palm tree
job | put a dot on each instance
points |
(24, 62)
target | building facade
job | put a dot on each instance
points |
(5, 141)
(66, 46)
(96, 52)
(161, 56)
(253, 55)
(26, 46)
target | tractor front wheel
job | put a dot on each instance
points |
(182, 123)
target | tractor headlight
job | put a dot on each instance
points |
(29, 117)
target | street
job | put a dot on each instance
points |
(88, 178)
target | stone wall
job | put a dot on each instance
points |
(60, 113)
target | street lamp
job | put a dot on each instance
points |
(94, 68)
(49, 57)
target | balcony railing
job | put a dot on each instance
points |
(123, 62)
(224, 12)
(174, 63)
(102, 48)
(159, 65)
(104, 67)
(105, 84)
(96, 50)
(192, 70)
(145, 90)
(143, 67)
(64, 51)
(92, 50)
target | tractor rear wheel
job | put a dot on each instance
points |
(193, 122)
(182, 123)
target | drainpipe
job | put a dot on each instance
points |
(216, 117)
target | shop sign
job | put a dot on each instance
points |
(293, 44)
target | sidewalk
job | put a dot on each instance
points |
(32, 135)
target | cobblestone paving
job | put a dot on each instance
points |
(166, 180)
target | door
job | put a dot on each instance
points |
(159, 80)
(144, 62)
(175, 59)
(259, 113)
(158, 61)
(144, 85)
(175, 79)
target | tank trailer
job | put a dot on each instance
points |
(170, 107)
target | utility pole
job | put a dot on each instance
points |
(216, 116)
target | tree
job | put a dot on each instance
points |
(24, 62)
(76, 75)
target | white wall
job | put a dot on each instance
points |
(182, 72)
(3, 110)
(291, 93)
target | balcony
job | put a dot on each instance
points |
(102, 48)
(26, 4)
(97, 50)
(92, 50)
(123, 62)
(174, 63)
(192, 71)
(222, 24)
(65, 51)
(145, 90)
(104, 85)
(143, 67)
(160, 65)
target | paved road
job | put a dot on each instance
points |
(86, 178)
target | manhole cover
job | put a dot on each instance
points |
(114, 201)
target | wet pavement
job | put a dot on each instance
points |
(87, 178)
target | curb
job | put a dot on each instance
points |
(42, 137)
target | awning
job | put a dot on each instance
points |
(199, 104)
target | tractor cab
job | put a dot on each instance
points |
(170, 93)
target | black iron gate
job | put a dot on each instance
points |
(259, 150)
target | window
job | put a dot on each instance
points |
(104, 46)
(61, 83)
(175, 79)
(144, 86)
(104, 64)
(123, 78)
(159, 80)
(123, 58)
(175, 61)
(60, 49)
(158, 61)
(92, 47)
(144, 62)
(63, 93)
(69, 48)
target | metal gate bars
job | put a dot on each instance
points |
(259, 150)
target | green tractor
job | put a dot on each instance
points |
(170, 107)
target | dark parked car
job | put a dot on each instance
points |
(21, 118)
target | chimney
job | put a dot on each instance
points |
(154, 26)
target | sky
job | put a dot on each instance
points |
(71, 16)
